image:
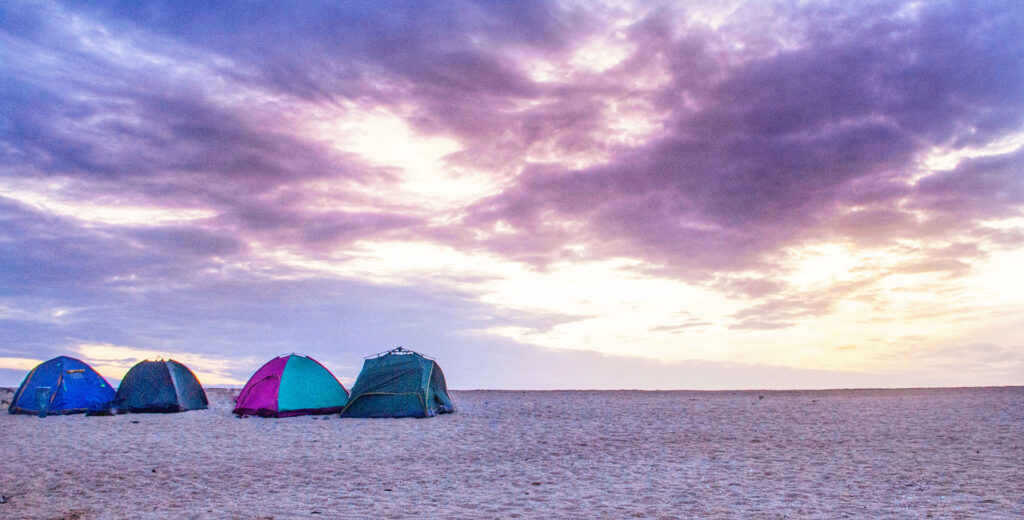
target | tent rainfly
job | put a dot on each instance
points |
(399, 383)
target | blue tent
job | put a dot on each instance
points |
(74, 388)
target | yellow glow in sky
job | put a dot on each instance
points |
(113, 362)
(619, 310)
(15, 363)
(101, 212)
(384, 139)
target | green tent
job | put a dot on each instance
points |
(399, 383)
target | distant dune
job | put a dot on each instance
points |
(945, 453)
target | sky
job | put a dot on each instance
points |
(541, 195)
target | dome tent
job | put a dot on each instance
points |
(399, 383)
(291, 385)
(74, 388)
(162, 386)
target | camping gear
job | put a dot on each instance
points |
(291, 385)
(65, 385)
(162, 386)
(399, 383)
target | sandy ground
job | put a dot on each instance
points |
(948, 453)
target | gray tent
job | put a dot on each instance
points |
(162, 386)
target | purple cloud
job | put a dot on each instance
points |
(767, 155)
(989, 187)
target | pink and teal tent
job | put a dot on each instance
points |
(291, 385)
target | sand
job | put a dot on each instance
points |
(937, 453)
